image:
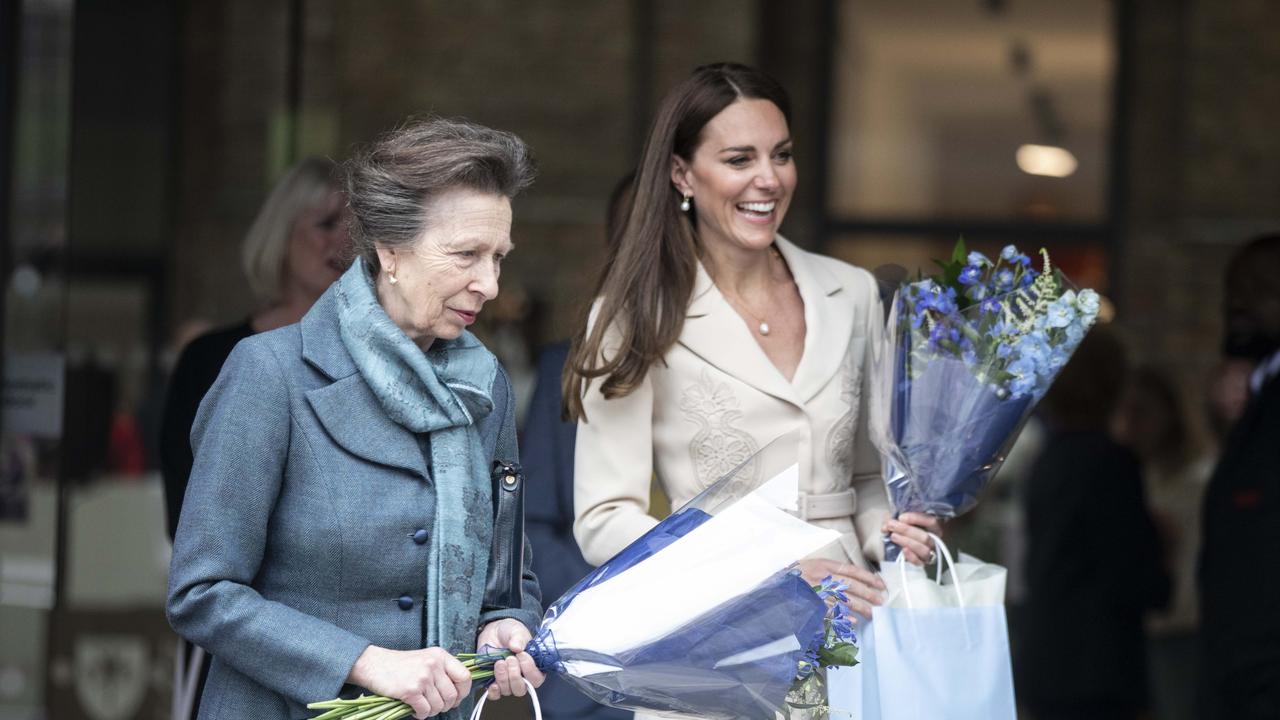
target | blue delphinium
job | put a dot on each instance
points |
(1076, 331)
(833, 590)
(842, 623)
(1023, 327)
(941, 334)
(1023, 372)
(836, 646)
(1033, 347)
(977, 259)
(1060, 314)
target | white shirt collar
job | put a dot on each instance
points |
(1267, 369)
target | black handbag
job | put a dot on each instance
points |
(504, 580)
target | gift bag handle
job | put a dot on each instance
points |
(533, 697)
(943, 552)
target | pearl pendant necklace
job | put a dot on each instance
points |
(762, 326)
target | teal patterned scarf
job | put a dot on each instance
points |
(442, 392)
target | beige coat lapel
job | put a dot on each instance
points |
(715, 332)
(828, 317)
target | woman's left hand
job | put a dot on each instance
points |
(911, 533)
(509, 673)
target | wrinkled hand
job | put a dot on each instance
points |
(430, 681)
(864, 586)
(911, 533)
(510, 673)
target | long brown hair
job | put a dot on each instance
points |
(648, 278)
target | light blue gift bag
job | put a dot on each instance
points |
(933, 649)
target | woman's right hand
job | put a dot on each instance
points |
(430, 681)
(864, 586)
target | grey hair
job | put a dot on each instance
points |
(265, 250)
(392, 182)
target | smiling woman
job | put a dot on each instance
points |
(347, 532)
(712, 335)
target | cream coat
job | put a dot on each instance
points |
(717, 398)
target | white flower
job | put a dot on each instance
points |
(1088, 302)
(977, 259)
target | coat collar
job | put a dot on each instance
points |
(346, 407)
(714, 331)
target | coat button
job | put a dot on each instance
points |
(405, 602)
(420, 536)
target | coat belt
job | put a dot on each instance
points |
(827, 506)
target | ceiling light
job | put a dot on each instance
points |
(1046, 160)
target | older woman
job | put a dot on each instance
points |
(345, 531)
(713, 335)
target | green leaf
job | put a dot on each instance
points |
(842, 654)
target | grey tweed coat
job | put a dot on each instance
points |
(305, 531)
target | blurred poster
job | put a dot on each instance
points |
(110, 664)
(33, 404)
(33, 390)
(17, 466)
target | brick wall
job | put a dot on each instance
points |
(233, 90)
(1203, 171)
(1202, 159)
(561, 74)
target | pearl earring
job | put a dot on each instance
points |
(684, 204)
(391, 277)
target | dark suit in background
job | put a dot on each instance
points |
(1240, 568)
(1240, 552)
(547, 455)
(1092, 569)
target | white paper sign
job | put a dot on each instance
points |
(33, 390)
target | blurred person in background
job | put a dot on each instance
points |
(1151, 422)
(505, 329)
(1228, 395)
(342, 529)
(1093, 564)
(1239, 585)
(711, 335)
(295, 248)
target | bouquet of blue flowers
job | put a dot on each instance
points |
(966, 356)
(704, 615)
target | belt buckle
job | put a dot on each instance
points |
(802, 505)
